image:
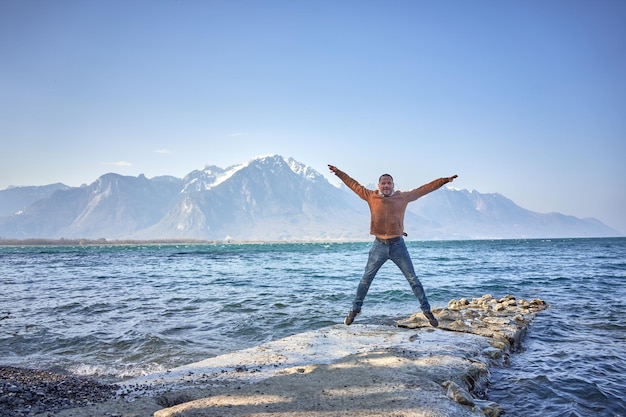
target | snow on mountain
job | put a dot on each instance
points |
(212, 176)
(306, 171)
(202, 180)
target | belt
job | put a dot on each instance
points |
(388, 241)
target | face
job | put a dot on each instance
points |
(385, 185)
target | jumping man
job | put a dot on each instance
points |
(387, 210)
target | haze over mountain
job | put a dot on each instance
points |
(269, 198)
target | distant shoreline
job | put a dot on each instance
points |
(105, 242)
(101, 242)
(122, 242)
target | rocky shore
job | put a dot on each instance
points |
(358, 370)
(26, 392)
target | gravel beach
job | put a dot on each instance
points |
(27, 392)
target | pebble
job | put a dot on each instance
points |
(26, 392)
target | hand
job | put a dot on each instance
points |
(452, 178)
(332, 168)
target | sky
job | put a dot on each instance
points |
(522, 98)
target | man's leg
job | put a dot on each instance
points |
(378, 255)
(400, 256)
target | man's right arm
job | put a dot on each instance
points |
(353, 184)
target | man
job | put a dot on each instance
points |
(387, 210)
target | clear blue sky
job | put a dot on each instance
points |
(523, 98)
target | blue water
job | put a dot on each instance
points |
(116, 312)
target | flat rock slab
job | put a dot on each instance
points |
(359, 370)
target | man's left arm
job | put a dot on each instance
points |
(430, 187)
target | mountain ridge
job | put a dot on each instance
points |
(269, 198)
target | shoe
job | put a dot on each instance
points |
(431, 318)
(350, 318)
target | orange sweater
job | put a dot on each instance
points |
(387, 213)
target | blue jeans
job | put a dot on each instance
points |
(380, 252)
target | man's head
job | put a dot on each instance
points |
(385, 185)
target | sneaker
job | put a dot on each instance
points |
(431, 318)
(350, 318)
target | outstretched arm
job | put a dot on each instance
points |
(430, 187)
(353, 184)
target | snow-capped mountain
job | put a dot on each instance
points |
(269, 198)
